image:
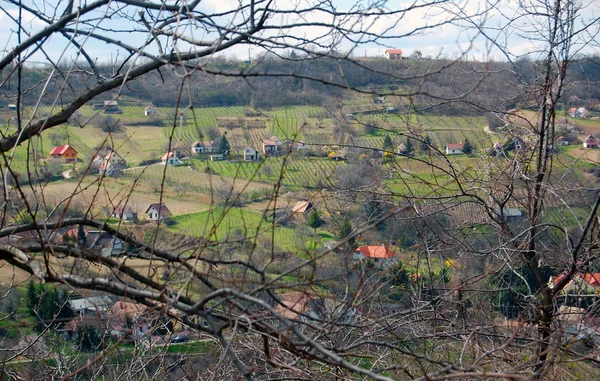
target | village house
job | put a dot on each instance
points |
(250, 154)
(106, 244)
(109, 163)
(393, 54)
(380, 254)
(149, 110)
(65, 152)
(157, 212)
(210, 146)
(580, 112)
(91, 305)
(170, 158)
(301, 146)
(124, 213)
(307, 306)
(272, 146)
(302, 208)
(590, 142)
(126, 318)
(454, 148)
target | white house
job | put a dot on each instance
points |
(170, 158)
(590, 142)
(149, 110)
(125, 213)
(105, 243)
(250, 154)
(94, 304)
(205, 147)
(393, 54)
(157, 212)
(109, 163)
(454, 148)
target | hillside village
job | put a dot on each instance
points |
(206, 179)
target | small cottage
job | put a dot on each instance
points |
(380, 254)
(250, 154)
(393, 54)
(170, 158)
(65, 152)
(454, 148)
(302, 207)
(149, 110)
(124, 213)
(157, 212)
(590, 142)
(272, 146)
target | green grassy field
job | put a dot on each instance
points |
(221, 224)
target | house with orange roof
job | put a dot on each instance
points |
(170, 158)
(454, 148)
(393, 54)
(379, 253)
(66, 152)
(582, 283)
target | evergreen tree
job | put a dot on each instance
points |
(467, 148)
(314, 219)
(409, 148)
(32, 298)
(345, 230)
(224, 146)
(425, 144)
(387, 143)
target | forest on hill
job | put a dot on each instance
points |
(451, 87)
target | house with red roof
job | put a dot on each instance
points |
(302, 207)
(380, 254)
(454, 148)
(65, 152)
(590, 142)
(582, 282)
(170, 158)
(393, 54)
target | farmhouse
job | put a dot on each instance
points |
(105, 243)
(109, 162)
(157, 212)
(149, 110)
(301, 306)
(66, 152)
(125, 213)
(454, 148)
(381, 254)
(205, 147)
(301, 146)
(272, 146)
(170, 158)
(12, 106)
(393, 54)
(91, 305)
(590, 142)
(582, 282)
(302, 207)
(250, 154)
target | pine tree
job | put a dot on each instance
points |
(314, 219)
(345, 230)
(425, 144)
(387, 143)
(32, 298)
(467, 148)
(224, 146)
(81, 238)
(409, 148)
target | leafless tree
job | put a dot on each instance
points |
(256, 310)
